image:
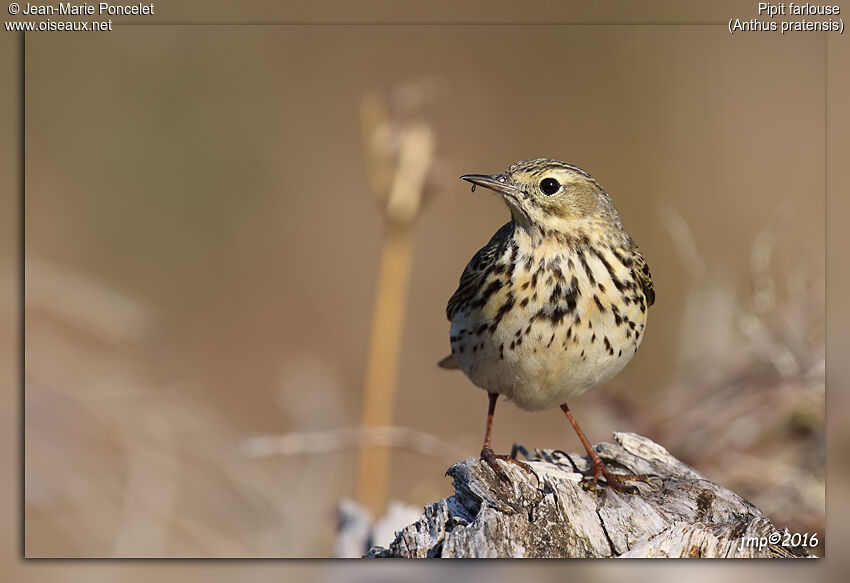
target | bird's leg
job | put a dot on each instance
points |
(599, 468)
(487, 454)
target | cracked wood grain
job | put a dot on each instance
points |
(550, 513)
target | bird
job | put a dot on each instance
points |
(554, 304)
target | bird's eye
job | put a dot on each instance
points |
(549, 186)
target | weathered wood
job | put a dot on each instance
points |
(552, 514)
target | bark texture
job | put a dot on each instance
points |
(551, 513)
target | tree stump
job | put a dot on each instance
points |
(552, 513)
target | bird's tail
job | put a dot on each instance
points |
(448, 362)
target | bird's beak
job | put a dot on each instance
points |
(496, 182)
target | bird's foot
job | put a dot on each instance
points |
(490, 458)
(614, 481)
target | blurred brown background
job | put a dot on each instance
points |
(202, 247)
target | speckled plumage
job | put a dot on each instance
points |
(556, 302)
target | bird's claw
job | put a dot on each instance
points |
(490, 458)
(616, 482)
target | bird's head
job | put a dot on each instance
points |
(549, 195)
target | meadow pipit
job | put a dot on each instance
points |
(555, 303)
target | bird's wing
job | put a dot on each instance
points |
(644, 277)
(477, 269)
